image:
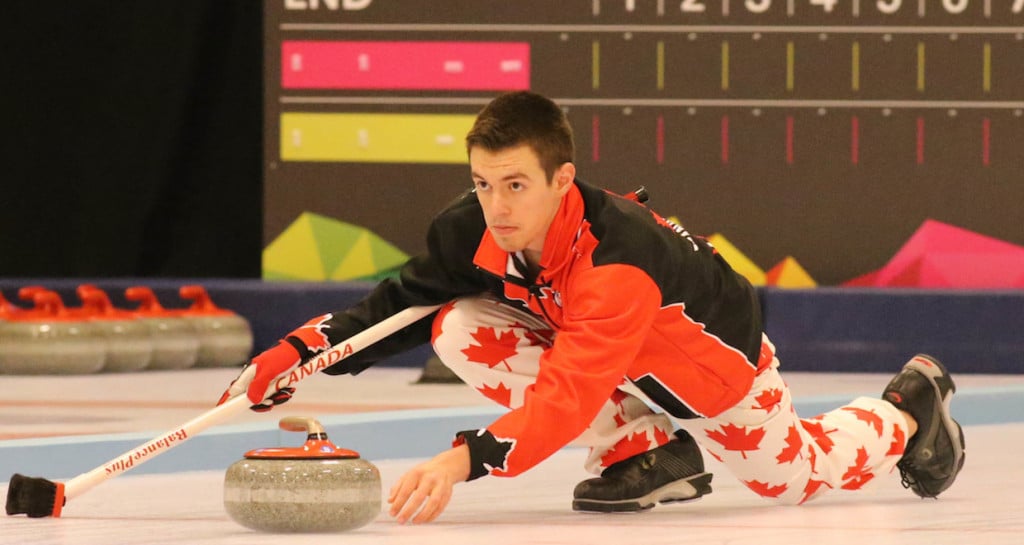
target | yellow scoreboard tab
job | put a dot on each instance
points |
(374, 138)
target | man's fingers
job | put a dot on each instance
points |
(418, 497)
(412, 505)
(437, 500)
(241, 384)
(401, 492)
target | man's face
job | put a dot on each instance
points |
(518, 200)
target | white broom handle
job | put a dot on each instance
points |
(239, 403)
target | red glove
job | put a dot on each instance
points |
(259, 372)
(263, 370)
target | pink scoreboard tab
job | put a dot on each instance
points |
(405, 65)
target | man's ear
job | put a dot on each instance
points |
(564, 177)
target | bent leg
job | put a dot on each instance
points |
(792, 460)
(496, 349)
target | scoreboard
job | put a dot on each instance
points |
(825, 130)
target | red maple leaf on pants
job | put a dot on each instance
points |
(768, 399)
(501, 393)
(764, 490)
(899, 442)
(857, 475)
(793, 445)
(492, 349)
(812, 488)
(536, 337)
(738, 438)
(618, 396)
(626, 447)
(869, 417)
(817, 431)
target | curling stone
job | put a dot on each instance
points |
(317, 487)
(225, 338)
(7, 308)
(175, 345)
(49, 340)
(129, 341)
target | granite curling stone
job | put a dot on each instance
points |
(225, 338)
(49, 339)
(317, 487)
(175, 344)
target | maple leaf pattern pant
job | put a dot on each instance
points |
(496, 349)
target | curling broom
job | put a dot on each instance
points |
(38, 497)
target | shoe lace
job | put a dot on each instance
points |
(906, 478)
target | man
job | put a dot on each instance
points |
(580, 310)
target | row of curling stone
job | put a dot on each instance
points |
(51, 338)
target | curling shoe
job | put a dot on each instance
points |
(935, 454)
(672, 472)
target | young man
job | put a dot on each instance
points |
(580, 310)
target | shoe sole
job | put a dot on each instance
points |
(674, 492)
(951, 426)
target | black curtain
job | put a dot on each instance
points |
(133, 139)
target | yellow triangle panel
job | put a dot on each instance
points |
(317, 247)
(293, 255)
(737, 260)
(789, 274)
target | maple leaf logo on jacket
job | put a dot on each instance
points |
(312, 334)
(487, 453)
(493, 349)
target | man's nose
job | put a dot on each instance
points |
(500, 203)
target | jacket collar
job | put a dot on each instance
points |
(558, 243)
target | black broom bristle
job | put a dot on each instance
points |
(34, 496)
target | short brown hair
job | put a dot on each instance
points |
(522, 117)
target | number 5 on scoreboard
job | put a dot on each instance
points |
(692, 6)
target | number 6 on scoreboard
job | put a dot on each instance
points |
(890, 6)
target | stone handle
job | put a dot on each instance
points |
(307, 424)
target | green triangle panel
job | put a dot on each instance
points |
(358, 262)
(316, 247)
(386, 255)
(294, 253)
(334, 240)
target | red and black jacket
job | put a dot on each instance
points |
(630, 295)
